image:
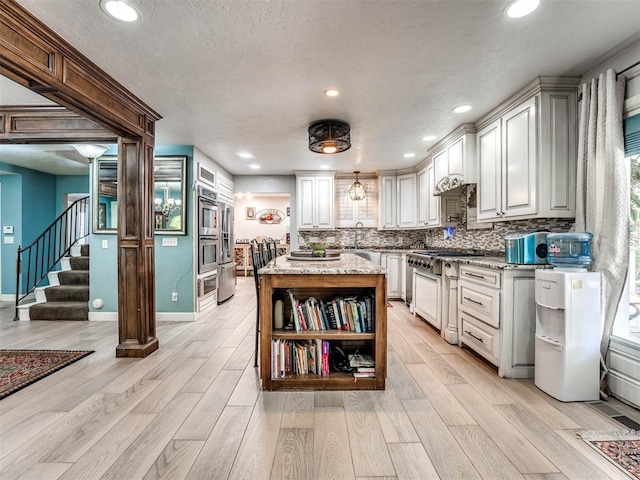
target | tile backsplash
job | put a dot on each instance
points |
(491, 238)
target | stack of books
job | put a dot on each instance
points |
(349, 313)
(363, 365)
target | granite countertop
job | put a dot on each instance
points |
(490, 262)
(347, 264)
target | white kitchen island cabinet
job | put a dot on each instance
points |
(527, 153)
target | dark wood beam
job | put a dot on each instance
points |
(37, 58)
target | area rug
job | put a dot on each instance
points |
(620, 447)
(19, 368)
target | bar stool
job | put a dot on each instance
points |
(257, 257)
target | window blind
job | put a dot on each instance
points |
(632, 135)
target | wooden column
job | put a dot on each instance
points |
(136, 273)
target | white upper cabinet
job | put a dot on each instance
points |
(387, 202)
(454, 157)
(423, 201)
(433, 201)
(407, 201)
(349, 212)
(527, 153)
(315, 196)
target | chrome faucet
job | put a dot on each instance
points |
(361, 232)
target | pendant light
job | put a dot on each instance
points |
(357, 191)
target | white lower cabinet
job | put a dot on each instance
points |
(497, 317)
(392, 262)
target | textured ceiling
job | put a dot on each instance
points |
(233, 76)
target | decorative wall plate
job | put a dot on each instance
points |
(270, 215)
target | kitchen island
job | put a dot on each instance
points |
(347, 281)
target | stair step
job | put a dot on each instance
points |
(84, 250)
(73, 277)
(79, 263)
(59, 311)
(67, 293)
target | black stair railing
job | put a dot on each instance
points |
(36, 260)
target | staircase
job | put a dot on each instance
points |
(67, 296)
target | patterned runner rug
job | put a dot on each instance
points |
(19, 368)
(620, 447)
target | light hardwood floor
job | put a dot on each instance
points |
(194, 410)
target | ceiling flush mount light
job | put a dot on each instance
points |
(331, 92)
(121, 10)
(329, 136)
(357, 191)
(90, 151)
(522, 8)
(461, 109)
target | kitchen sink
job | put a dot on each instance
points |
(368, 254)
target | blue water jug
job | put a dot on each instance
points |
(569, 250)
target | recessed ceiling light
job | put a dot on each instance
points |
(461, 109)
(428, 138)
(245, 155)
(409, 155)
(324, 167)
(254, 166)
(521, 8)
(121, 10)
(331, 92)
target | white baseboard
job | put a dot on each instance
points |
(160, 316)
(8, 297)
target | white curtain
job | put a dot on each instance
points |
(602, 196)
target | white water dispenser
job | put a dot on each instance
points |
(568, 333)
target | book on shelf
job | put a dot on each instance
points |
(353, 313)
(289, 357)
(357, 360)
(364, 374)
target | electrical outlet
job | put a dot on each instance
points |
(174, 297)
(331, 239)
(400, 239)
(313, 240)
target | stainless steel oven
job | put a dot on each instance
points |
(207, 212)
(207, 254)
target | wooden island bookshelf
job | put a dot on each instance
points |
(350, 276)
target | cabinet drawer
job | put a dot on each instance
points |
(480, 337)
(481, 302)
(482, 276)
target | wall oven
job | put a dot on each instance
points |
(207, 254)
(207, 212)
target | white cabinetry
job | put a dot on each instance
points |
(393, 263)
(348, 212)
(433, 202)
(387, 202)
(496, 317)
(407, 214)
(315, 196)
(427, 296)
(527, 153)
(455, 156)
(423, 201)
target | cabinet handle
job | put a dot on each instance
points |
(473, 336)
(474, 275)
(473, 301)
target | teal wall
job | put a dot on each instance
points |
(69, 184)
(173, 265)
(11, 202)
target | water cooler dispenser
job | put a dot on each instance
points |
(568, 322)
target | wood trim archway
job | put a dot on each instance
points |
(34, 56)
